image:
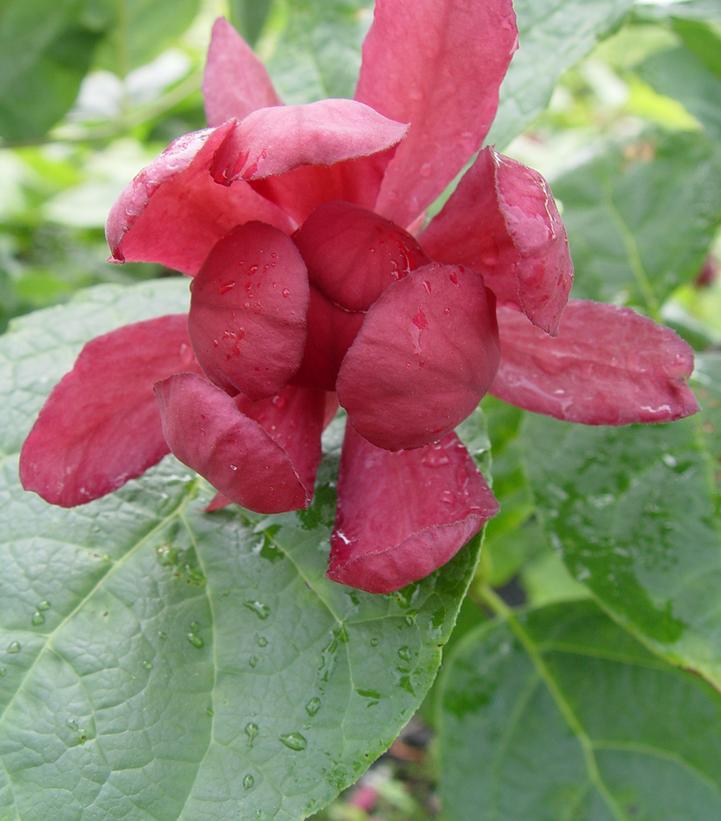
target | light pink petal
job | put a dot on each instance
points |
(438, 65)
(502, 220)
(607, 366)
(273, 141)
(403, 515)
(261, 455)
(248, 311)
(425, 355)
(100, 426)
(174, 212)
(235, 82)
(353, 254)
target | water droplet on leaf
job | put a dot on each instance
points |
(294, 741)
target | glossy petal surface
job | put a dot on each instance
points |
(248, 311)
(235, 82)
(100, 426)
(261, 455)
(353, 254)
(436, 65)
(607, 366)
(273, 141)
(403, 515)
(173, 212)
(425, 355)
(502, 220)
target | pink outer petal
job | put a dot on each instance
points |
(353, 255)
(437, 64)
(100, 426)
(403, 515)
(248, 311)
(273, 141)
(423, 358)
(235, 81)
(502, 220)
(607, 366)
(173, 212)
(261, 455)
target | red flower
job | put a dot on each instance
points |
(298, 224)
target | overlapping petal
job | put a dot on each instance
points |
(273, 141)
(100, 426)
(403, 515)
(353, 254)
(248, 311)
(502, 220)
(261, 455)
(423, 358)
(607, 366)
(235, 81)
(331, 331)
(437, 65)
(173, 212)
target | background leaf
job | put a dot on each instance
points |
(553, 37)
(566, 716)
(635, 514)
(157, 661)
(649, 209)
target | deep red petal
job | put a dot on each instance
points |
(293, 409)
(235, 82)
(438, 65)
(502, 220)
(100, 426)
(403, 515)
(607, 366)
(173, 212)
(261, 455)
(423, 358)
(248, 311)
(353, 254)
(331, 331)
(273, 141)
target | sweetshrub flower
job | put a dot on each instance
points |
(314, 278)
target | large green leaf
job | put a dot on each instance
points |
(641, 217)
(562, 715)
(44, 54)
(635, 514)
(553, 36)
(312, 48)
(159, 662)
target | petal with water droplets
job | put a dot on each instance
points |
(173, 212)
(403, 515)
(248, 311)
(100, 426)
(262, 455)
(425, 355)
(502, 220)
(607, 366)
